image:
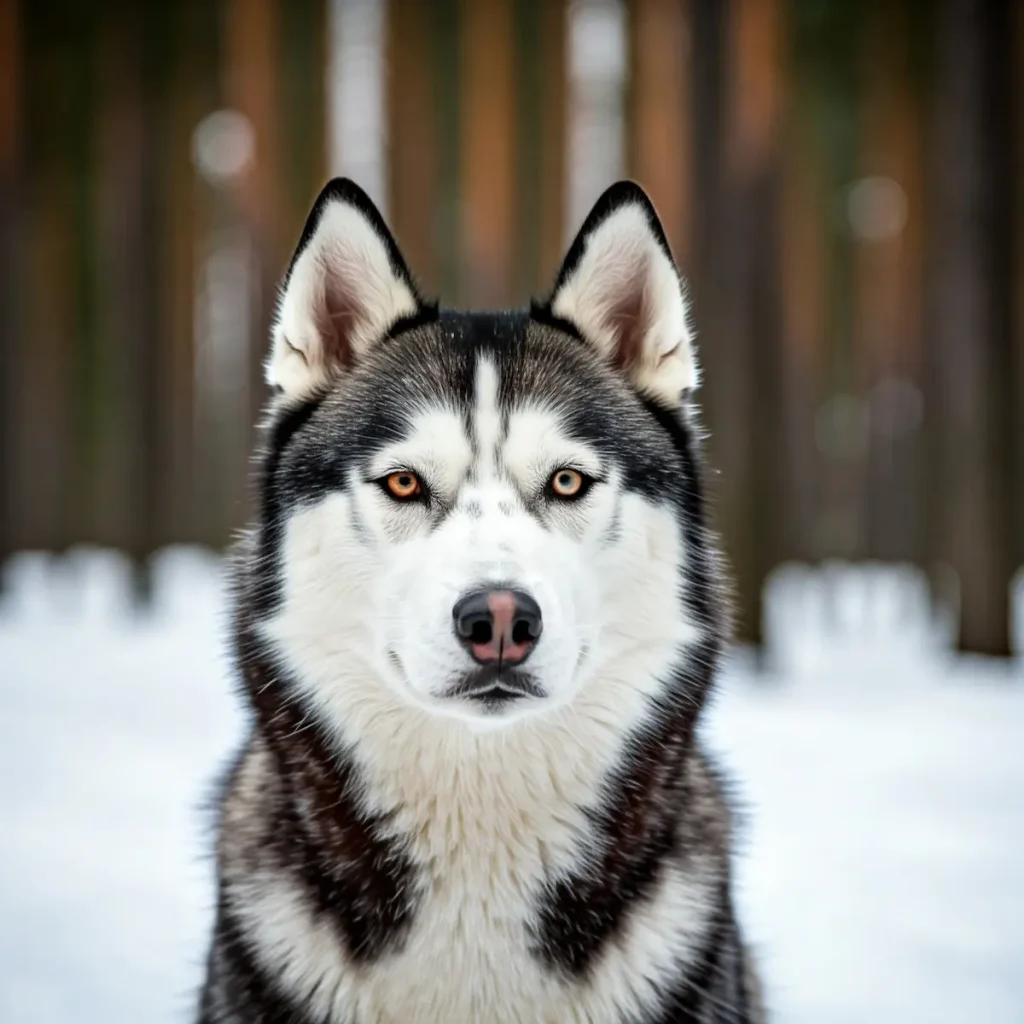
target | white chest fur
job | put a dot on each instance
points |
(490, 817)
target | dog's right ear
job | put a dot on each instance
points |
(346, 287)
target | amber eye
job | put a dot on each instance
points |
(403, 485)
(567, 483)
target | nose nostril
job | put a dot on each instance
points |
(480, 632)
(523, 632)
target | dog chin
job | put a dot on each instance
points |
(483, 712)
(484, 698)
(487, 702)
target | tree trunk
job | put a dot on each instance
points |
(661, 112)
(742, 352)
(540, 69)
(966, 407)
(251, 86)
(554, 102)
(1016, 220)
(888, 286)
(10, 266)
(803, 248)
(487, 149)
(413, 164)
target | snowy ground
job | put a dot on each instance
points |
(883, 874)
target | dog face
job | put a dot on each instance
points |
(479, 513)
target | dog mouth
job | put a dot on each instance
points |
(493, 687)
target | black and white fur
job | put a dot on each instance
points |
(389, 852)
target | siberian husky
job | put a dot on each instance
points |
(475, 623)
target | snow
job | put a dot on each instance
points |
(881, 875)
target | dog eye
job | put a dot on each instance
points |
(568, 484)
(403, 485)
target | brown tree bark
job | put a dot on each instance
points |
(660, 113)
(43, 427)
(192, 92)
(247, 218)
(251, 85)
(554, 100)
(1016, 219)
(888, 291)
(122, 509)
(803, 255)
(10, 266)
(487, 150)
(966, 409)
(741, 353)
(541, 99)
(413, 134)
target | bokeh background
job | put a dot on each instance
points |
(843, 185)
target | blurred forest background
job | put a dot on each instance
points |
(842, 182)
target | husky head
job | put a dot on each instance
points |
(480, 515)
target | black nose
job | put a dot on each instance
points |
(497, 625)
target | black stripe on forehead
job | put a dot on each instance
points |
(474, 337)
(499, 335)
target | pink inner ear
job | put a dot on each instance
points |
(337, 319)
(630, 317)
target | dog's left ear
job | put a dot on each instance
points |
(620, 288)
(346, 287)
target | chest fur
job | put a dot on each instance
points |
(472, 954)
(487, 835)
